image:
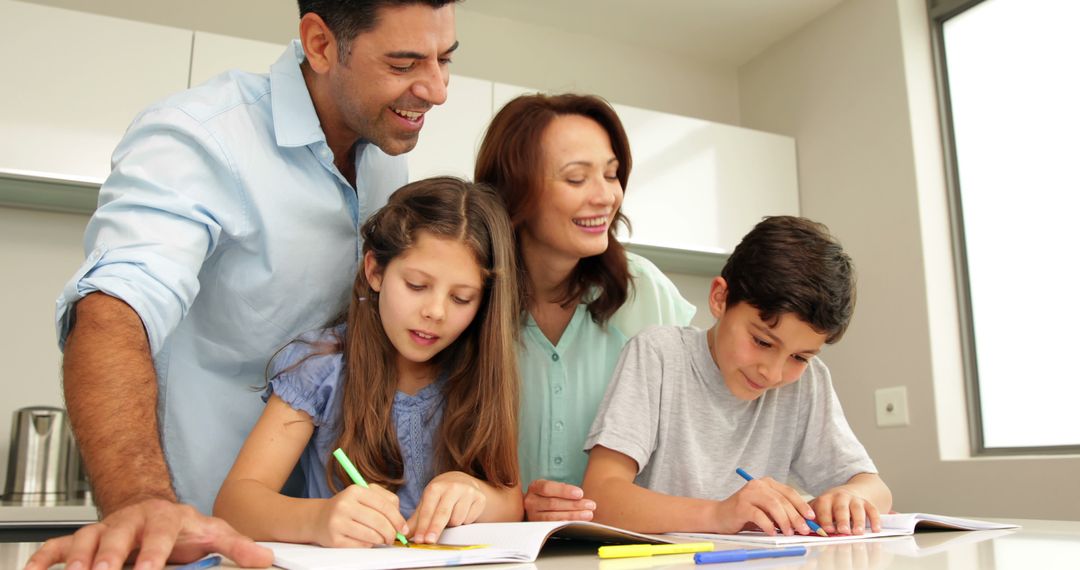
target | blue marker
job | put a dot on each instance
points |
(208, 562)
(813, 525)
(740, 555)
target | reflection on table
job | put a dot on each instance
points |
(1037, 544)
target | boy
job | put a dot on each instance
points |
(686, 407)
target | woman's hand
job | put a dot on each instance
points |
(450, 499)
(553, 501)
(359, 518)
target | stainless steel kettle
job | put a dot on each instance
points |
(43, 462)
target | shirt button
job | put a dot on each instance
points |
(559, 426)
(555, 357)
(558, 460)
(558, 389)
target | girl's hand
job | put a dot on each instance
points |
(359, 518)
(450, 499)
(841, 510)
(766, 504)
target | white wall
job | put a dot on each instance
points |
(492, 48)
(38, 253)
(855, 89)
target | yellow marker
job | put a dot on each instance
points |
(634, 550)
(443, 546)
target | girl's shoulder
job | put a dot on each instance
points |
(307, 373)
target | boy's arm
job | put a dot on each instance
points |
(847, 508)
(609, 480)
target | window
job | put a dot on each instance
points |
(1009, 76)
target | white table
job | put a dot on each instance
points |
(1038, 544)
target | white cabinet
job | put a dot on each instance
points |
(74, 81)
(452, 131)
(698, 185)
(212, 54)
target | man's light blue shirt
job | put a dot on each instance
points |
(226, 226)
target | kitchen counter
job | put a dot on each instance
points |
(34, 521)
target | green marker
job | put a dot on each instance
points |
(358, 479)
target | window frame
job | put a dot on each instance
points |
(939, 12)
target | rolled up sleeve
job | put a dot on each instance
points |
(159, 216)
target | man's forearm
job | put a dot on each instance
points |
(111, 392)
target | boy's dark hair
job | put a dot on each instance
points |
(788, 264)
(350, 18)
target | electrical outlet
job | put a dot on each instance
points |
(891, 405)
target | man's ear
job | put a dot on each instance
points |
(373, 272)
(320, 45)
(718, 297)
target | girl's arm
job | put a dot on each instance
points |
(609, 480)
(455, 498)
(250, 497)
(251, 501)
(848, 508)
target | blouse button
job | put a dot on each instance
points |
(558, 460)
(555, 357)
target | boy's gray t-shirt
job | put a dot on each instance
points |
(668, 409)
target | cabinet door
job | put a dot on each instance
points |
(74, 81)
(452, 131)
(701, 185)
(212, 54)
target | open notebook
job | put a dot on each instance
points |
(506, 542)
(892, 525)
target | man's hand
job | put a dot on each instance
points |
(158, 531)
(553, 501)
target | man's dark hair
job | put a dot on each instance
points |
(788, 264)
(350, 18)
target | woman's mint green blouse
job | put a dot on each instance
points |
(562, 385)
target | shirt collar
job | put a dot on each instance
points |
(295, 121)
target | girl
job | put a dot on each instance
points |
(418, 386)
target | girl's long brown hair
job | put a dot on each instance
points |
(510, 160)
(478, 434)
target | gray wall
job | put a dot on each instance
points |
(855, 89)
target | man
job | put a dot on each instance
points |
(227, 227)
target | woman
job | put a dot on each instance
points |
(561, 164)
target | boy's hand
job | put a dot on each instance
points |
(843, 511)
(359, 518)
(553, 501)
(450, 499)
(766, 503)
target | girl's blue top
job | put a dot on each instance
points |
(314, 387)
